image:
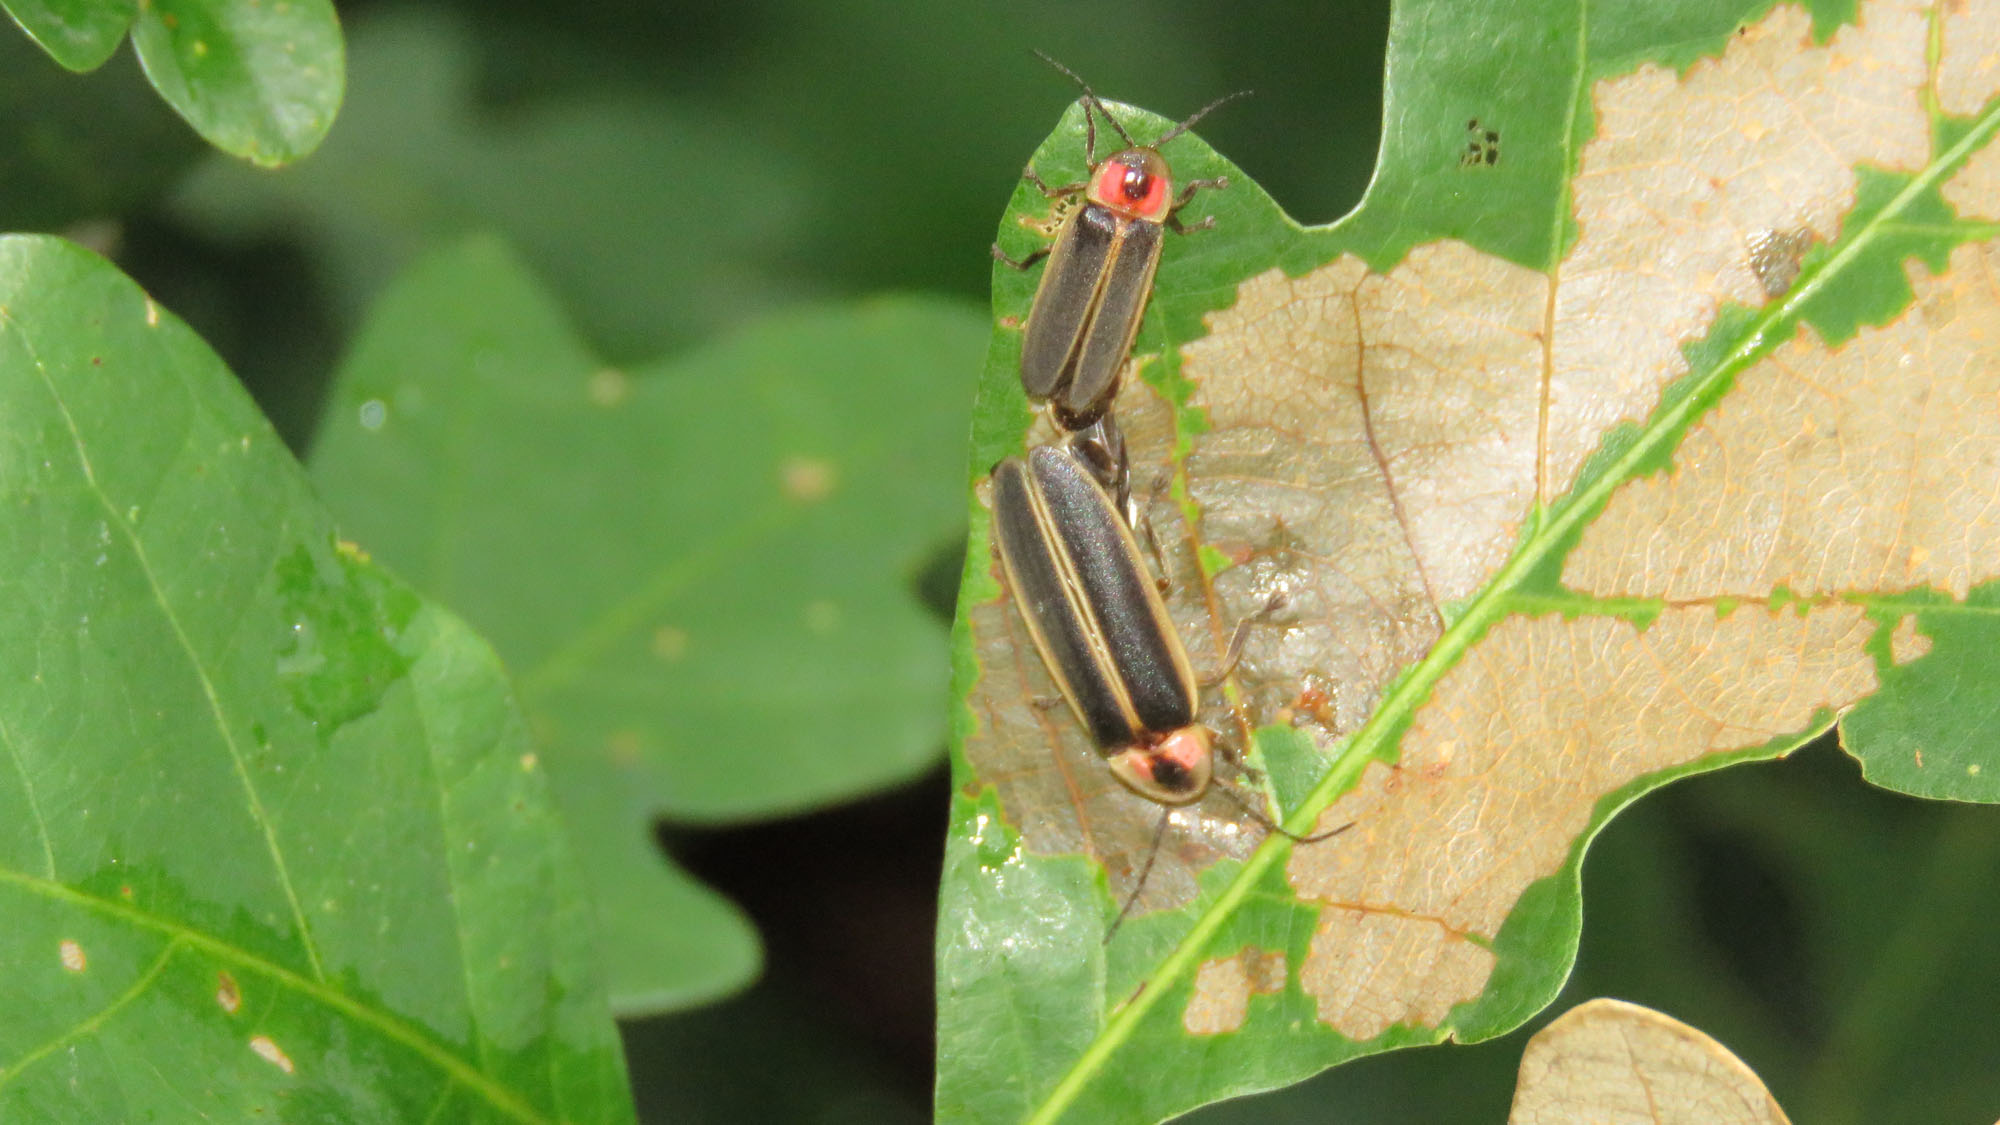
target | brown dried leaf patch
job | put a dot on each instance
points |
(1502, 772)
(1968, 72)
(1871, 467)
(1974, 191)
(1618, 1063)
(1371, 452)
(1223, 987)
(1688, 174)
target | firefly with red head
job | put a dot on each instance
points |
(1100, 270)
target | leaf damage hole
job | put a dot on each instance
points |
(271, 1053)
(228, 996)
(72, 956)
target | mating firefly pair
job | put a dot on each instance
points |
(1063, 516)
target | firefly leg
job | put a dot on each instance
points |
(1193, 186)
(1024, 262)
(1187, 193)
(1234, 653)
(1058, 192)
(1256, 814)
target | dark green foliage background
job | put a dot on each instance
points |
(671, 175)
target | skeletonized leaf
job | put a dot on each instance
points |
(1643, 419)
(273, 838)
(1616, 1063)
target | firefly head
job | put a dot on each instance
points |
(1173, 770)
(1136, 184)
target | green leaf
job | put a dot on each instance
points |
(276, 840)
(260, 79)
(79, 34)
(1593, 451)
(700, 571)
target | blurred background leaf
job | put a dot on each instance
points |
(701, 572)
(260, 81)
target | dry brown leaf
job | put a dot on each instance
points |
(1975, 191)
(1968, 58)
(1687, 173)
(1223, 987)
(1503, 770)
(1871, 467)
(1607, 1062)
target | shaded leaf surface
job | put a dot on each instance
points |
(700, 571)
(276, 841)
(258, 80)
(596, 191)
(1600, 446)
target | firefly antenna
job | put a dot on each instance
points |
(1160, 834)
(1091, 99)
(1198, 115)
(1145, 869)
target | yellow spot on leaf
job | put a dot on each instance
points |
(609, 387)
(670, 642)
(271, 1053)
(227, 995)
(72, 956)
(807, 479)
(822, 617)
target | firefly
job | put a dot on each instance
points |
(1099, 275)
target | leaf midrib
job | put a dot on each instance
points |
(1553, 528)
